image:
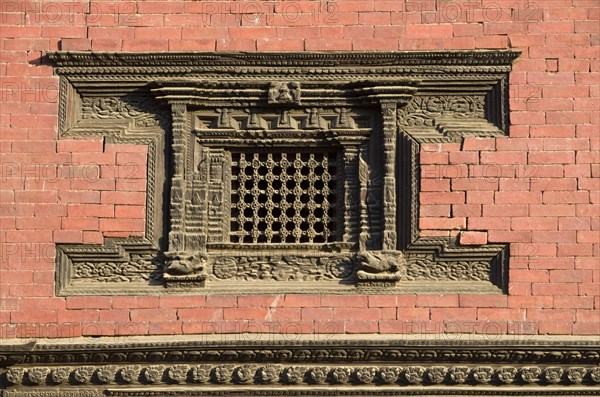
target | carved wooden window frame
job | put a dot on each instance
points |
(168, 100)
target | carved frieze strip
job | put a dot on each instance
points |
(289, 59)
(142, 111)
(260, 375)
(312, 390)
(315, 350)
(249, 93)
(81, 267)
(117, 261)
(283, 122)
(449, 118)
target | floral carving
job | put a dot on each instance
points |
(595, 375)
(389, 374)
(152, 374)
(37, 375)
(105, 374)
(428, 269)
(341, 374)
(482, 374)
(283, 268)
(294, 375)
(201, 373)
(553, 374)
(129, 374)
(367, 375)
(268, 374)
(436, 374)
(177, 373)
(414, 375)
(138, 268)
(224, 268)
(14, 375)
(59, 375)
(458, 374)
(142, 110)
(575, 374)
(506, 374)
(530, 374)
(82, 375)
(318, 375)
(223, 374)
(244, 374)
(424, 110)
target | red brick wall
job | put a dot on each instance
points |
(537, 189)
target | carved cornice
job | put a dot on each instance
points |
(347, 365)
(292, 59)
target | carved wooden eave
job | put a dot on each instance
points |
(204, 114)
(302, 365)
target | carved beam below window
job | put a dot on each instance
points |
(303, 365)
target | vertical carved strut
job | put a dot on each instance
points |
(363, 176)
(389, 181)
(351, 194)
(216, 196)
(176, 232)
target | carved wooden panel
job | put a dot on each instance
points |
(282, 172)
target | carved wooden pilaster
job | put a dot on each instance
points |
(363, 177)
(390, 129)
(217, 201)
(351, 194)
(179, 148)
(196, 211)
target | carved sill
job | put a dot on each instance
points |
(223, 216)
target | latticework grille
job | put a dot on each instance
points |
(283, 197)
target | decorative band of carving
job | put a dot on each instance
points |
(452, 59)
(345, 365)
(271, 374)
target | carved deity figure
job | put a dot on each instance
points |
(281, 92)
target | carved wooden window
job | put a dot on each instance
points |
(282, 172)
